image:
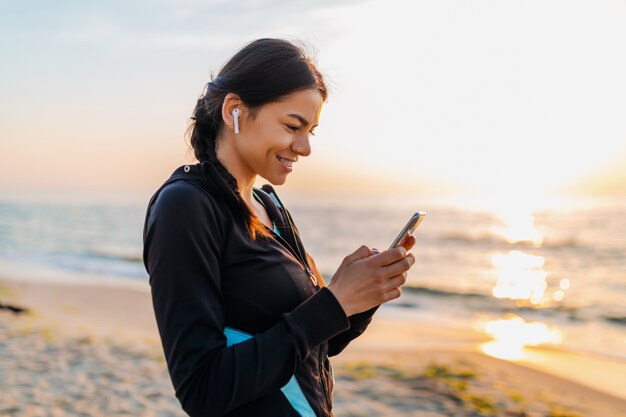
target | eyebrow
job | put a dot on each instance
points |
(300, 119)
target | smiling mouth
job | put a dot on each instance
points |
(286, 162)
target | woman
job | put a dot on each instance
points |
(246, 320)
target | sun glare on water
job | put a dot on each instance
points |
(520, 277)
(512, 335)
(518, 224)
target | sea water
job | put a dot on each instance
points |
(555, 272)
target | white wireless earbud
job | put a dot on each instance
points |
(236, 117)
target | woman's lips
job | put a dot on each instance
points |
(286, 167)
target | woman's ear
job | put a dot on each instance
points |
(231, 102)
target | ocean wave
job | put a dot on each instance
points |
(477, 301)
(567, 243)
(440, 292)
(471, 238)
(115, 255)
(495, 239)
(621, 320)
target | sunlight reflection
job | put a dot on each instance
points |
(558, 295)
(513, 334)
(520, 277)
(519, 225)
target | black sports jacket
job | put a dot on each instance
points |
(246, 328)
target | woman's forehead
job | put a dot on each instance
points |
(304, 106)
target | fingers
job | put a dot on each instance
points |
(395, 282)
(388, 257)
(409, 242)
(361, 253)
(393, 294)
(393, 287)
(399, 266)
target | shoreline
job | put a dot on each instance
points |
(124, 316)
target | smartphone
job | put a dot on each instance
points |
(410, 227)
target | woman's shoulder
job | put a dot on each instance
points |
(185, 198)
(184, 190)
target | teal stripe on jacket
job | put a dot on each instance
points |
(292, 389)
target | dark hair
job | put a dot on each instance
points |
(263, 71)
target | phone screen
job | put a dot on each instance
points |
(410, 227)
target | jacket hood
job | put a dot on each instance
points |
(211, 176)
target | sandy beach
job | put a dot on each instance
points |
(93, 350)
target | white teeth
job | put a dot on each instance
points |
(285, 161)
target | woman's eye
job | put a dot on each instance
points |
(296, 128)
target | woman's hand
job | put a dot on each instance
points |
(367, 278)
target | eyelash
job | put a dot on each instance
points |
(295, 129)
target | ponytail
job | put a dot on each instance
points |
(205, 125)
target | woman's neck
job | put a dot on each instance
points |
(235, 166)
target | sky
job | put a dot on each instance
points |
(507, 98)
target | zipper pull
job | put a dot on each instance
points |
(311, 275)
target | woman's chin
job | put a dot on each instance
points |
(280, 180)
(276, 179)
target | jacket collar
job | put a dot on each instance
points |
(211, 176)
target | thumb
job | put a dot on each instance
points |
(361, 253)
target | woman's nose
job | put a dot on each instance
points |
(301, 145)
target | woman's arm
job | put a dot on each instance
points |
(183, 244)
(358, 322)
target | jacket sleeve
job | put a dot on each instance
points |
(183, 241)
(358, 322)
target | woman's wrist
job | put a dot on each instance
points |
(337, 297)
